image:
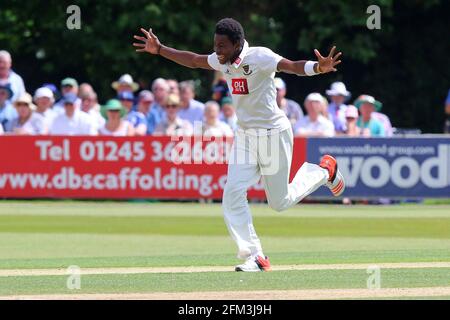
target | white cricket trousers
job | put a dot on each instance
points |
(268, 156)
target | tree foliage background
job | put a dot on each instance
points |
(405, 64)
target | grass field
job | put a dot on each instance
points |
(182, 250)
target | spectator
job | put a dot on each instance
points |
(190, 109)
(125, 84)
(43, 98)
(7, 111)
(69, 86)
(447, 112)
(89, 104)
(54, 89)
(291, 108)
(367, 123)
(1, 130)
(314, 124)
(228, 113)
(160, 90)
(137, 119)
(145, 102)
(72, 122)
(27, 121)
(173, 125)
(351, 117)
(8, 76)
(336, 109)
(212, 126)
(220, 87)
(116, 125)
(382, 118)
(174, 87)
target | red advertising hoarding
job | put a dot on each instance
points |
(118, 168)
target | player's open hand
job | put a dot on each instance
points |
(150, 42)
(328, 64)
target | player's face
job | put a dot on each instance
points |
(224, 48)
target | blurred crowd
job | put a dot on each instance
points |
(170, 107)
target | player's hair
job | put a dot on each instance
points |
(232, 29)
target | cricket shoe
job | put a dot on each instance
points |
(254, 264)
(335, 181)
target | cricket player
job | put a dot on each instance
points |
(250, 72)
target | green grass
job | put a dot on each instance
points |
(56, 234)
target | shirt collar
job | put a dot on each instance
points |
(241, 56)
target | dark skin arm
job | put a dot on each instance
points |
(323, 64)
(152, 45)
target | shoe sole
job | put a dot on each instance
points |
(340, 187)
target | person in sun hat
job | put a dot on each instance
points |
(369, 126)
(338, 94)
(116, 125)
(27, 122)
(44, 99)
(314, 124)
(125, 83)
(7, 110)
(173, 125)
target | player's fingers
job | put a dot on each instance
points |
(337, 55)
(317, 53)
(140, 38)
(150, 31)
(336, 63)
(145, 32)
(140, 50)
(141, 45)
(332, 52)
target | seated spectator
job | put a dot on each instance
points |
(88, 105)
(1, 130)
(367, 123)
(447, 112)
(160, 89)
(220, 87)
(174, 86)
(137, 119)
(7, 111)
(8, 76)
(291, 108)
(228, 113)
(314, 124)
(69, 86)
(190, 109)
(173, 125)
(125, 84)
(336, 109)
(145, 102)
(115, 124)
(27, 122)
(43, 98)
(73, 121)
(351, 117)
(212, 126)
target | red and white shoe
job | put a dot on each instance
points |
(336, 181)
(254, 264)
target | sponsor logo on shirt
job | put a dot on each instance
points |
(239, 86)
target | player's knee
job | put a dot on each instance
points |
(233, 197)
(278, 206)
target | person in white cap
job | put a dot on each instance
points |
(291, 108)
(351, 117)
(28, 122)
(336, 109)
(44, 100)
(249, 72)
(125, 83)
(314, 124)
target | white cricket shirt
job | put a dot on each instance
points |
(250, 79)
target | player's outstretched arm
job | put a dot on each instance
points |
(307, 68)
(151, 44)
